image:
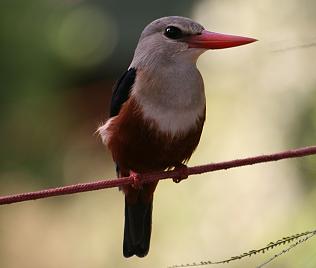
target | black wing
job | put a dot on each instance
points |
(121, 91)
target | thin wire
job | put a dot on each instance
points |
(312, 44)
(154, 176)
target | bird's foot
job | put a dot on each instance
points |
(137, 183)
(183, 173)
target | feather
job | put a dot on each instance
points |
(122, 90)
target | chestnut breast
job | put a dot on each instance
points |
(137, 144)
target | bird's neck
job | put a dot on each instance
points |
(172, 95)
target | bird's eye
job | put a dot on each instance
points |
(173, 32)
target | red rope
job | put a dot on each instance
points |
(153, 176)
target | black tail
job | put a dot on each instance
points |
(137, 229)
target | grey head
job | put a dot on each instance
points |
(165, 41)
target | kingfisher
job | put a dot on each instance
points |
(157, 114)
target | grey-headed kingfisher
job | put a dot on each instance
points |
(157, 113)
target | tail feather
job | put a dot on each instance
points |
(137, 229)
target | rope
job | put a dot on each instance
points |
(154, 176)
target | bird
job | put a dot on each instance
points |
(157, 113)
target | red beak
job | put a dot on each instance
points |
(211, 40)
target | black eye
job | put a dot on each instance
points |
(173, 32)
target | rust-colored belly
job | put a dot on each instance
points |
(138, 145)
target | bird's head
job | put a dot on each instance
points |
(179, 39)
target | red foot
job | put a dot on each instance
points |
(183, 173)
(137, 184)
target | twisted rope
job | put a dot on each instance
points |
(154, 176)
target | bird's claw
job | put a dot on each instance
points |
(183, 173)
(137, 183)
